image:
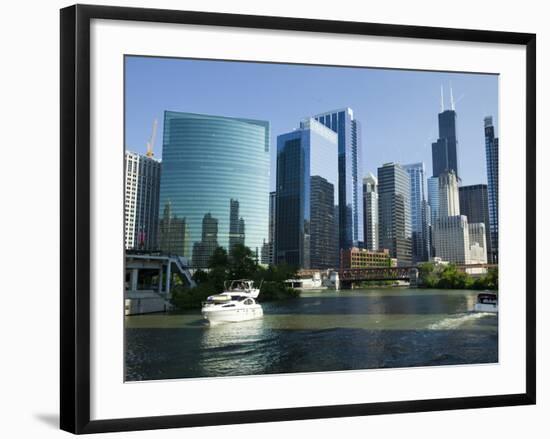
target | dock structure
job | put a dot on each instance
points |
(149, 281)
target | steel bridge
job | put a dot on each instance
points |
(404, 273)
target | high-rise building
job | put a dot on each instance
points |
(474, 204)
(427, 224)
(207, 162)
(268, 247)
(433, 209)
(141, 201)
(306, 196)
(323, 228)
(452, 239)
(433, 197)
(491, 155)
(449, 202)
(350, 207)
(204, 249)
(478, 243)
(394, 215)
(370, 214)
(451, 233)
(444, 151)
(419, 212)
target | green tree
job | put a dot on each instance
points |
(427, 274)
(492, 279)
(191, 298)
(219, 258)
(200, 276)
(242, 263)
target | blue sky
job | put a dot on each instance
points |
(397, 108)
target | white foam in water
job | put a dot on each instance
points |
(455, 322)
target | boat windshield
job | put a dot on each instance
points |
(241, 285)
(487, 298)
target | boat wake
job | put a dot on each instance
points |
(457, 321)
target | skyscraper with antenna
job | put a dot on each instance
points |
(444, 151)
(141, 197)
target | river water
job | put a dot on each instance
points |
(320, 331)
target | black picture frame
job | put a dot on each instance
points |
(75, 217)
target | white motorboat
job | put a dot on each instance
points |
(486, 302)
(236, 304)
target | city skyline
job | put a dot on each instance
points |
(381, 99)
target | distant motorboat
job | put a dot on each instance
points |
(236, 304)
(486, 302)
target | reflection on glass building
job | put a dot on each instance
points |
(204, 249)
(350, 174)
(216, 177)
(236, 226)
(305, 219)
(173, 236)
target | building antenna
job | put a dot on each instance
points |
(452, 99)
(151, 142)
(442, 106)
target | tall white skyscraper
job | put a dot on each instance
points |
(141, 201)
(449, 201)
(370, 215)
(452, 240)
(450, 230)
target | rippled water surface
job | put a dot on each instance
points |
(320, 331)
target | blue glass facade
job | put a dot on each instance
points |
(491, 155)
(216, 180)
(419, 219)
(350, 175)
(305, 221)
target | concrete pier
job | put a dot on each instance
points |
(148, 282)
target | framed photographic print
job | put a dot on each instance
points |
(273, 218)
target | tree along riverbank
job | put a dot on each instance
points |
(241, 264)
(449, 277)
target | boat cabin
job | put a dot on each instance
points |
(489, 298)
(241, 285)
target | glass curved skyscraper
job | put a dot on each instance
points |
(350, 174)
(215, 178)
